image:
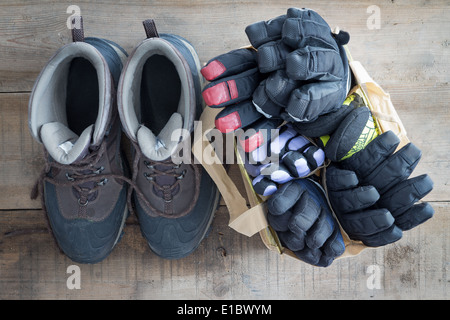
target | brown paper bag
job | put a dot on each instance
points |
(378, 101)
(249, 220)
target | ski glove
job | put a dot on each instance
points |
(298, 72)
(307, 67)
(288, 156)
(371, 194)
(300, 214)
(234, 77)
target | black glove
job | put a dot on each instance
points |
(288, 156)
(371, 194)
(327, 124)
(234, 76)
(299, 72)
(300, 214)
(307, 67)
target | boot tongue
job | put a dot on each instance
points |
(63, 145)
(161, 147)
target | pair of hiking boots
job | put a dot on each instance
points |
(89, 92)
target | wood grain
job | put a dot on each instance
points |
(225, 266)
(408, 56)
(21, 157)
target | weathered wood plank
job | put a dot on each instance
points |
(411, 32)
(225, 266)
(21, 157)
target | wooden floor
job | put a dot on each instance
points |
(408, 55)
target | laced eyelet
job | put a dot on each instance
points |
(99, 170)
(148, 177)
(148, 165)
(103, 182)
(181, 176)
(83, 204)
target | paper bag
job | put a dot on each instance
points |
(249, 220)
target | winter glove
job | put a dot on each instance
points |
(326, 124)
(298, 72)
(234, 76)
(300, 214)
(308, 73)
(288, 156)
(368, 183)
